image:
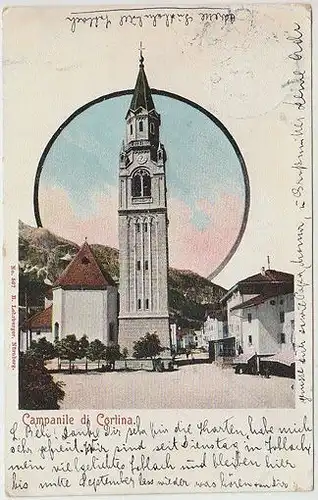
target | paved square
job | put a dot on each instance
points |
(192, 386)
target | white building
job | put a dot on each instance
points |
(267, 323)
(37, 327)
(214, 327)
(85, 300)
(84, 303)
(186, 338)
(260, 312)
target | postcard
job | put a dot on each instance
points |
(158, 249)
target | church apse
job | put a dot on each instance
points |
(143, 222)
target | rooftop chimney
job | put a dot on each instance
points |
(268, 262)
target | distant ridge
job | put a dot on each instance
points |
(44, 255)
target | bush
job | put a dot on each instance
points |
(37, 389)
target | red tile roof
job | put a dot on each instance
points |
(261, 298)
(255, 301)
(42, 319)
(83, 271)
(269, 282)
(269, 276)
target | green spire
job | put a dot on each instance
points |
(142, 97)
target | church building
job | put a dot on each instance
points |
(85, 300)
(143, 222)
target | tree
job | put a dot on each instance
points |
(68, 348)
(83, 348)
(37, 389)
(112, 353)
(148, 347)
(96, 351)
(124, 355)
(58, 350)
(42, 349)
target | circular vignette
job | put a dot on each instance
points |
(178, 98)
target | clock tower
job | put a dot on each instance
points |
(143, 223)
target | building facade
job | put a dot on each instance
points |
(37, 327)
(268, 323)
(260, 312)
(215, 327)
(143, 223)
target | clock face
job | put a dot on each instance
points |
(141, 158)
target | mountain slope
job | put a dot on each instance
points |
(44, 255)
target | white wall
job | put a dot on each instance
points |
(85, 312)
(235, 317)
(266, 327)
(57, 309)
(250, 329)
(213, 330)
(199, 338)
(26, 337)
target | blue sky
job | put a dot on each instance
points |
(202, 163)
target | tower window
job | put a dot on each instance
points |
(146, 227)
(249, 317)
(152, 128)
(282, 338)
(139, 303)
(138, 227)
(282, 317)
(141, 126)
(141, 184)
(131, 129)
(250, 340)
(146, 265)
(146, 185)
(138, 265)
(147, 304)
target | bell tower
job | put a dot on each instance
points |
(143, 222)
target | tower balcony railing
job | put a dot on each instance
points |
(140, 143)
(141, 199)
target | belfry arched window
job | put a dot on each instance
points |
(141, 184)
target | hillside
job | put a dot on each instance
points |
(44, 255)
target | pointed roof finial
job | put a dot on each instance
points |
(141, 57)
(142, 97)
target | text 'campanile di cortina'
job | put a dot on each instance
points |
(143, 222)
